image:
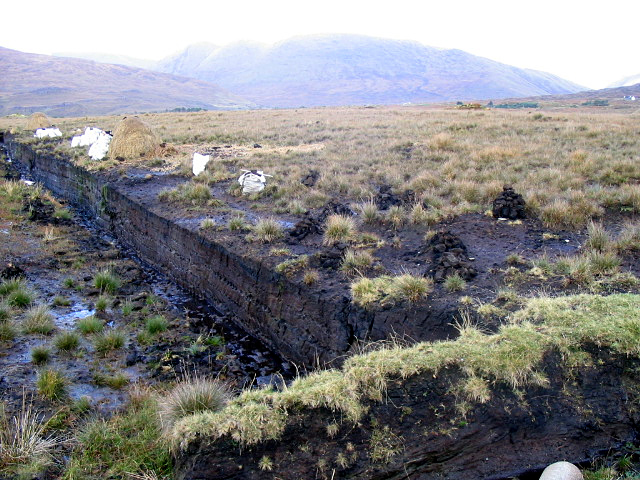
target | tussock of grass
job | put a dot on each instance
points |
(268, 230)
(512, 356)
(89, 325)
(106, 281)
(52, 384)
(386, 289)
(38, 319)
(338, 228)
(108, 340)
(191, 193)
(356, 261)
(23, 439)
(293, 265)
(191, 396)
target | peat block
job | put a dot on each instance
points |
(11, 271)
(509, 204)
(329, 258)
(449, 257)
(386, 199)
(311, 224)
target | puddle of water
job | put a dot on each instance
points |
(78, 312)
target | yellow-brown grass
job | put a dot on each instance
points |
(38, 120)
(132, 138)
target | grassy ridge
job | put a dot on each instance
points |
(511, 356)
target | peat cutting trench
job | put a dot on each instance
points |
(574, 417)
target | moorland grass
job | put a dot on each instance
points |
(568, 168)
(156, 324)
(512, 356)
(89, 325)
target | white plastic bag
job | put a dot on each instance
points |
(88, 138)
(100, 147)
(51, 132)
(199, 163)
(252, 181)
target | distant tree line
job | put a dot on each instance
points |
(186, 109)
(596, 103)
(517, 105)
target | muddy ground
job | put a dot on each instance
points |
(59, 258)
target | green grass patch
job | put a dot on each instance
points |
(108, 340)
(156, 324)
(52, 384)
(38, 319)
(512, 356)
(89, 325)
(66, 341)
(129, 442)
(106, 281)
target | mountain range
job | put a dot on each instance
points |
(304, 71)
(76, 87)
(627, 81)
(353, 69)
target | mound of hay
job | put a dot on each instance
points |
(38, 120)
(132, 138)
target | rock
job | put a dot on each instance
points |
(449, 257)
(561, 471)
(508, 204)
(310, 179)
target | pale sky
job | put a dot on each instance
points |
(591, 43)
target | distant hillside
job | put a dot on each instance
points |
(74, 87)
(109, 58)
(352, 69)
(614, 96)
(627, 81)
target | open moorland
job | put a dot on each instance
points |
(396, 209)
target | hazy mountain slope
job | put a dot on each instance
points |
(353, 69)
(69, 86)
(627, 81)
(109, 58)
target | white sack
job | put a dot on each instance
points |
(199, 162)
(88, 138)
(100, 147)
(252, 181)
(52, 132)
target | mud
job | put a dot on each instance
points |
(62, 265)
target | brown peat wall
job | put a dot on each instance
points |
(305, 324)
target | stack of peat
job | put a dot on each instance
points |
(508, 204)
(450, 257)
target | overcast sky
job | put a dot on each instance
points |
(591, 43)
